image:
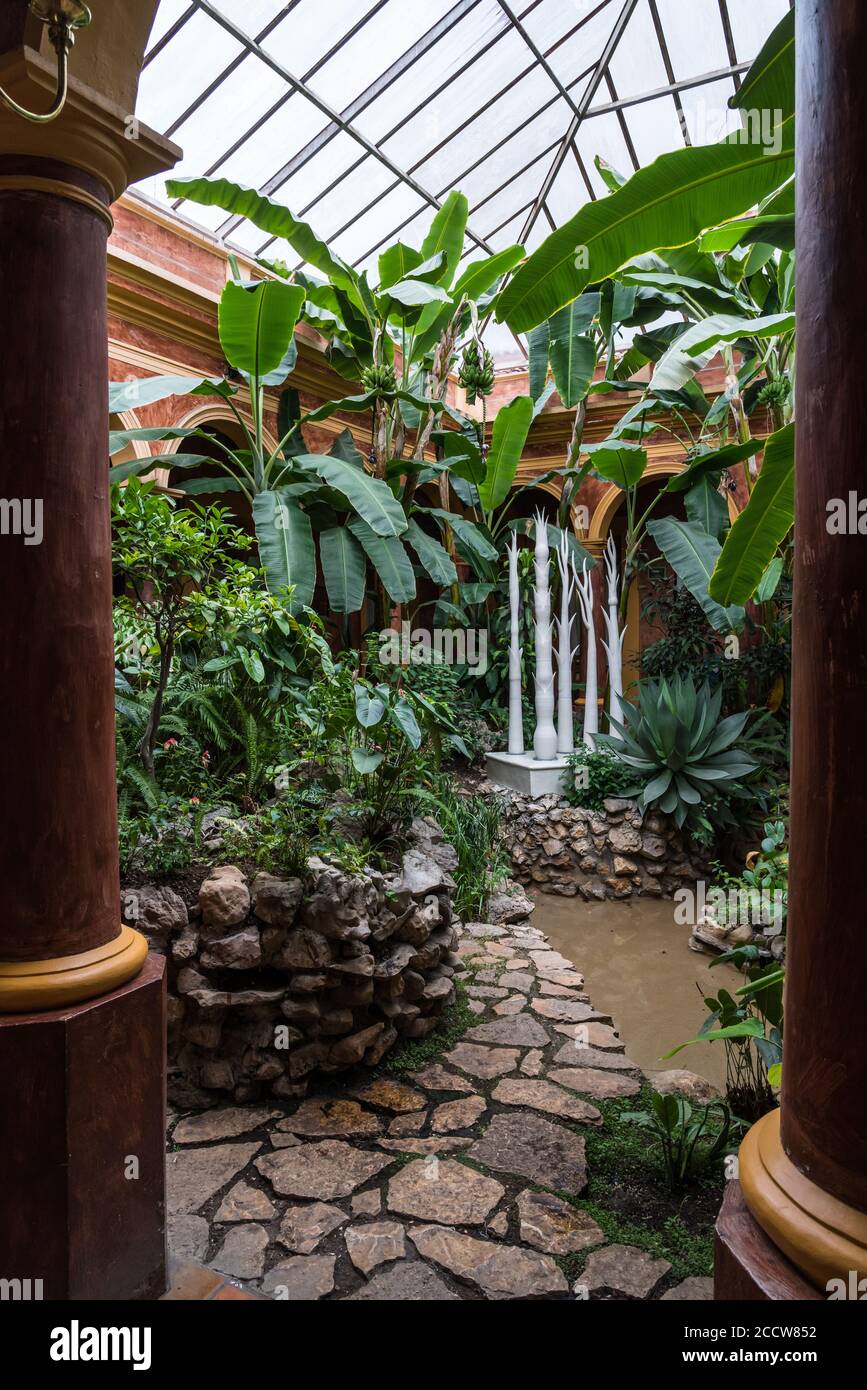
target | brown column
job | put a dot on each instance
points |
(82, 1029)
(804, 1169)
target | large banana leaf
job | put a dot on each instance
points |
(692, 554)
(668, 203)
(537, 355)
(617, 461)
(134, 468)
(765, 521)
(706, 508)
(478, 277)
(356, 405)
(257, 325)
(396, 263)
(769, 86)
(713, 461)
(473, 537)
(571, 351)
(697, 345)
(372, 499)
(447, 235)
(508, 438)
(118, 439)
(146, 390)
(434, 558)
(343, 567)
(270, 217)
(389, 559)
(286, 546)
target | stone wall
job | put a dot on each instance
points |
(615, 853)
(272, 979)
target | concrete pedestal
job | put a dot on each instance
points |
(523, 773)
(82, 1163)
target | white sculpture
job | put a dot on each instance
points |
(516, 717)
(584, 584)
(565, 652)
(614, 639)
(545, 735)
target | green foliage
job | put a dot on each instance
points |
(473, 825)
(763, 885)
(678, 745)
(160, 843)
(594, 774)
(413, 1055)
(688, 1142)
(750, 1026)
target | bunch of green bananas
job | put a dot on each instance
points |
(477, 371)
(774, 392)
(380, 379)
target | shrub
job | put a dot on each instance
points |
(593, 774)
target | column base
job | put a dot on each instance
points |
(82, 1164)
(28, 986)
(748, 1267)
(822, 1236)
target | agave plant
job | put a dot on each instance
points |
(676, 740)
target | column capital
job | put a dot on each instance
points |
(93, 133)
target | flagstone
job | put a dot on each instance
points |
(552, 1225)
(303, 1227)
(500, 1271)
(391, 1095)
(303, 1278)
(438, 1078)
(245, 1203)
(193, 1176)
(322, 1170)
(520, 1031)
(458, 1114)
(484, 1062)
(532, 1147)
(323, 1117)
(623, 1271)
(226, 1123)
(592, 1081)
(443, 1191)
(374, 1244)
(544, 1095)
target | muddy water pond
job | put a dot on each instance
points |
(639, 969)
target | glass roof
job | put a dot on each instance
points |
(361, 115)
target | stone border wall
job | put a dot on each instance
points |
(612, 854)
(274, 979)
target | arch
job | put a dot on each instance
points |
(212, 413)
(603, 512)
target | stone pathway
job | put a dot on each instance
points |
(441, 1186)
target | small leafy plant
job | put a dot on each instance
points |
(593, 774)
(688, 1142)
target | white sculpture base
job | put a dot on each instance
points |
(523, 773)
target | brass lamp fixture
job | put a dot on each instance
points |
(62, 18)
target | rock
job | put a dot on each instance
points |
(366, 1203)
(458, 1114)
(533, 1148)
(499, 1224)
(303, 1278)
(350, 1050)
(575, 1054)
(193, 1176)
(678, 1082)
(224, 898)
(187, 1238)
(563, 1010)
(551, 1225)
(374, 1244)
(302, 1228)
(303, 949)
(532, 1063)
(520, 1031)
(403, 1125)
(443, 1191)
(322, 1117)
(421, 874)
(240, 951)
(276, 900)
(486, 992)
(551, 960)
(693, 1290)
(409, 1281)
(500, 1271)
(424, 1147)
(623, 1271)
(438, 1078)
(570, 979)
(517, 979)
(484, 931)
(544, 1095)
(484, 1062)
(391, 1095)
(245, 1203)
(507, 1008)
(506, 908)
(601, 1085)
(224, 1123)
(323, 1170)
(158, 912)
(653, 847)
(242, 1254)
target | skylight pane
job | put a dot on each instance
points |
(636, 65)
(274, 143)
(602, 135)
(654, 128)
(694, 36)
(751, 24)
(236, 105)
(331, 162)
(454, 51)
(168, 14)
(707, 113)
(310, 30)
(186, 66)
(527, 143)
(497, 208)
(584, 49)
(369, 182)
(364, 234)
